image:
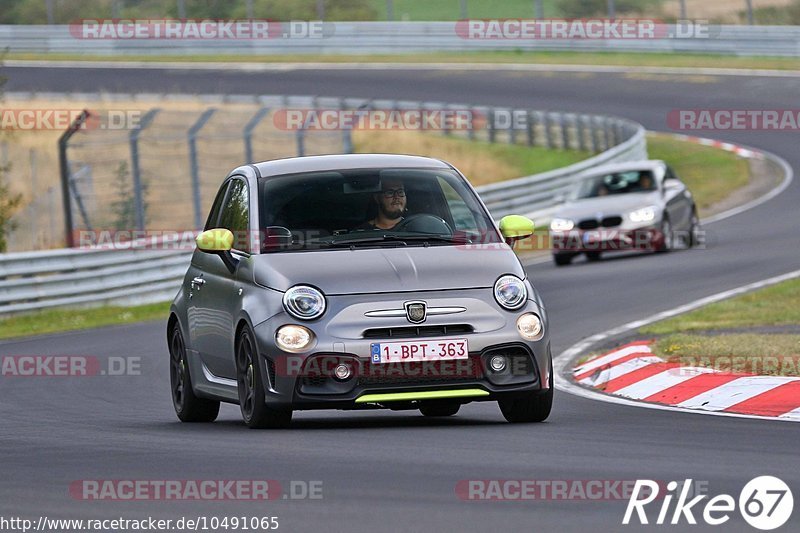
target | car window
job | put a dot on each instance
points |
(213, 217)
(235, 215)
(324, 209)
(635, 181)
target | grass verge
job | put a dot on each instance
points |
(482, 162)
(60, 320)
(770, 354)
(511, 56)
(710, 173)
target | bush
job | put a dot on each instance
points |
(8, 202)
(599, 8)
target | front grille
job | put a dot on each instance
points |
(607, 222)
(417, 331)
(422, 373)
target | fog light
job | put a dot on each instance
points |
(293, 338)
(497, 363)
(342, 371)
(530, 327)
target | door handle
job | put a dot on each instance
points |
(197, 283)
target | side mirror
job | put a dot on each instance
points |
(516, 227)
(218, 241)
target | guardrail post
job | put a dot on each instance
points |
(194, 167)
(529, 126)
(301, 141)
(594, 133)
(347, 133)
(581, 124)
(491, 118)
(548, 128)
(607, 132)
(63, 163)
(248, 133)
(564, 123)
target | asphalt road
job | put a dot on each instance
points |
(384, 471)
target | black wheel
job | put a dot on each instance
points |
(593, 256)
(562, 259)
(532, 408)
(695, 231)
(440, 409)
(666, 241)
(188, 406)
(255, 412)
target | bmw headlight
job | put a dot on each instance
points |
(561, 224)
(304, 302)
(510, 292)
(645, 214)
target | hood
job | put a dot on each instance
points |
(607, 205)
(376, 270)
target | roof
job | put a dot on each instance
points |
(345, 161)
(613, 168)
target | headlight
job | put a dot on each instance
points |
(646, 214)
(510, 292)
(530, 327)
(561, 224)
(293, 338)
(304, 302)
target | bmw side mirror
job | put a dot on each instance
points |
(218, 241)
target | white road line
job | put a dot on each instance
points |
(659, 382)
(605, 375)
(611, 357)
(792, 415)
(246, 66)
(733, 392)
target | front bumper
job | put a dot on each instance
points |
(607, 240)
(305, 381)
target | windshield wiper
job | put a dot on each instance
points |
(389, 238)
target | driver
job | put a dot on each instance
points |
(391, 202)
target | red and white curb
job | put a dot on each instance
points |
(633, 371)
(741, 151)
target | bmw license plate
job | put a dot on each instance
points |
(404, 352)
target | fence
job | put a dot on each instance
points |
(102, 194)
(407, 37)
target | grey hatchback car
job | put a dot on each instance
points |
(356, 282)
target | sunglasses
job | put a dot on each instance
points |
(389, 193)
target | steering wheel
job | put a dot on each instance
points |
(424, 223)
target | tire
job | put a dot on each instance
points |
(533, 408)
(440, 409)
(593, 256)
(666, 231)
(694, 230)
(255, 412)
(188, 406)
(562, 259)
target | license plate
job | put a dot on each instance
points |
(410, 351)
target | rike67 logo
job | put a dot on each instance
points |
(765, 503)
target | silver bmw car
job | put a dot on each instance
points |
(356, 282)
(638, 206)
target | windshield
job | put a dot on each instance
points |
(369, 208)
(618, 183)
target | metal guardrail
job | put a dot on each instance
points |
(84, 277)
(403, 37)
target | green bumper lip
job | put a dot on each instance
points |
(421, 395)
